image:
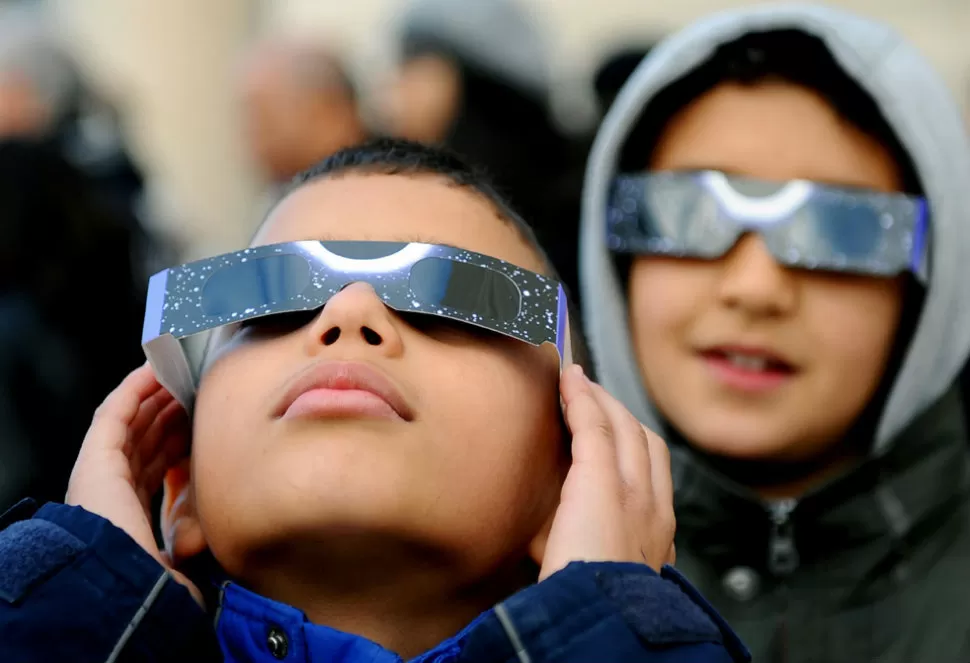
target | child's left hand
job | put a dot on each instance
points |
(617, 501)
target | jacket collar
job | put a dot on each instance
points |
(881, 503)
(255, 629)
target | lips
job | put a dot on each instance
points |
(748, 358)
(337, 387)
(751, 370)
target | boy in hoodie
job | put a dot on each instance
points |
(373, 467)
(774, 232)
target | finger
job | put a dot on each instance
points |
(572, 383)
(114, 416)
(171, 419)
(644, 462)
(590, 427)
(148, 412)
(672, 555)
(174, 448)
(663, 487)
(662, 478)
(143, 447)
(123, 402)
(632, 444)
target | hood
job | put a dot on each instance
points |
(919, 108)
(495, 37)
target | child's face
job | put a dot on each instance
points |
(835, 331)
(474, 473)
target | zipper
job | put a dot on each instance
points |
(222, 600)
(782, 553)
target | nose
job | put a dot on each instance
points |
(355, 315)
(754, 284)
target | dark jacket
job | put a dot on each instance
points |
(872, 567)
(71, 304)
(75, 588)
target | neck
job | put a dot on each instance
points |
(774, 479)
(803, 481)
(406, 600)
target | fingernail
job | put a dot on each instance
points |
(578, 370)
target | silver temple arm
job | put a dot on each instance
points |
(167, 357)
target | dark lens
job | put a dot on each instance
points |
(466, 288)
(364, 250)
(245, 286)
(852, 230)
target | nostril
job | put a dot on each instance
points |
(371, 336)
(331, 336)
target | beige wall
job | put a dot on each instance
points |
(170, 61)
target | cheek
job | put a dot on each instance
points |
(500, 425)
(665, 297)
(231, 389)
(232, 399)
(854, 323)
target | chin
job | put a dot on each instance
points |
(280, 527)
(740, 438)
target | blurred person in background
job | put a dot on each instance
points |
(300, 105)
(44, 97)
(73, 256)
(614, 70)
(775, 244)
(71, 302)
(473, 75)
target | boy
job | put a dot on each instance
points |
(368, 482)
(794, 326)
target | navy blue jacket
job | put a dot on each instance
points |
(73, 587)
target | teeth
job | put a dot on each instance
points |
(747, 362)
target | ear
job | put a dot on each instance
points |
(181, 527)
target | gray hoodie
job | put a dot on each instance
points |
(888, 596)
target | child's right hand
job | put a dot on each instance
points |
(617, 502)
(137, 434)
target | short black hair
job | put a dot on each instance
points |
(790, 55)
(392, 156)
(396, 156)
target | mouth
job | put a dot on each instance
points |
(748, 368)
(343, 390)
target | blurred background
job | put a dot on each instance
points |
(167, 65)
(136, 134)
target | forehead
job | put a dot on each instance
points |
(401, 208)
(777, 131)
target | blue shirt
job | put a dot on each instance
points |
(73, 587)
